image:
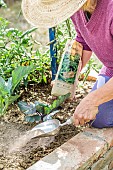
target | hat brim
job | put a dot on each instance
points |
(49, 15)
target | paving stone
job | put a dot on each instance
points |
(105, 134)
(1, 166)
(76, 154)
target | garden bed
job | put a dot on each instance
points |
(15, 154)
(12, 126)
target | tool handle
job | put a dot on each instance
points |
(69, 121)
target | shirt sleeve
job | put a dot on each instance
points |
(111, 28)
(80, 39)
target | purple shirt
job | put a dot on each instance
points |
(97, 34)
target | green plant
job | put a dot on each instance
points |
(7, 88)
(15, 48)
(2, 3)
(91, 65)
(64, 32)
(42, 72)
(37, 110)
(18, 48)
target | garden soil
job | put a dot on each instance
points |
(19, 153)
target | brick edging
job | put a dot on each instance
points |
(78, 153)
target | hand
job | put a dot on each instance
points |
(77, 48)
(86, 110)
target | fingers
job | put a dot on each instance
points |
(73, 52)
(77, 48)
(78, 122)
(82, 122)
(76, 45)
(84, 118)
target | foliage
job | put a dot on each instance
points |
(17, 49)
(7, 88)
(92, 65)
(37, 110)
(64, 32)
(42, 72)
(2, 3)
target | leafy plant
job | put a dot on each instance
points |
(64, 32)
(42, 72)
(92, 65)
(37, 110)
(18, 48)
(2, 3)
(7, 88)
(15, 48)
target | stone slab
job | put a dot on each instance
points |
(104, 134)
(78, 153)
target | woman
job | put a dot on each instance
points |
(93, 20)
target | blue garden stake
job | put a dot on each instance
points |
(53, 52)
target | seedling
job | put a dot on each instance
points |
(37, 111)
(7, 88)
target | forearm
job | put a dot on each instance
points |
(103, 94)
(85, 57)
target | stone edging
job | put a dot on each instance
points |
(84, 151)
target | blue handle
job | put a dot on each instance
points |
(53, 52)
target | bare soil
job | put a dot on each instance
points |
(12, 126)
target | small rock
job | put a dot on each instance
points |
(1, 154)
(1, 123)
(1, 166)
(89, 87)
(85, 87)
(83, 92)
(79, 95)
(50, 97)
(77, 91)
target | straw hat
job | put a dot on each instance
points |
(49, 13)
